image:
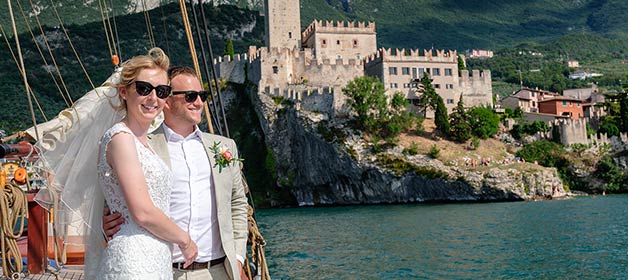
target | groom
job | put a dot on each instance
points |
(206, 200)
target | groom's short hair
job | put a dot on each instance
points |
(180, 70)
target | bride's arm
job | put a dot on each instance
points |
(122, 157)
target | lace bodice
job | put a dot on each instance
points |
(135, 253)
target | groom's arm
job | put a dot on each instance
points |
(239, 208)
(111, 223)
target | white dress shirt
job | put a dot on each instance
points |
(193, 200)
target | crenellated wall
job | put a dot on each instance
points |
(477, 88)
(342, 40)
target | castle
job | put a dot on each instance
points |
(312, 67)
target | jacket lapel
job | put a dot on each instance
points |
(157, 140)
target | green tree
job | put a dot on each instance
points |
(484, 122)
(623, 111)
(431, 100)
(460, 129)
(367, 98)
(229, 48)
(461, 64)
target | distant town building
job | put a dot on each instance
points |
(562, 106)
(573, 63)
(479, 53)
(527, 99)
(581, 75)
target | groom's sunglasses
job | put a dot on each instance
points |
(145, 88)
(190, 95)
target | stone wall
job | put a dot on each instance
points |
(344, 40)
(282, 23)
(477, 89)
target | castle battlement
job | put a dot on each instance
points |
(297, 93)
(475, 76)
(339, 27)
(236, 58)
(413, 55)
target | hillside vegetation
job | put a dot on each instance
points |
(591, 31)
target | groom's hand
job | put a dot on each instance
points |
(242, 273)
(111, 223)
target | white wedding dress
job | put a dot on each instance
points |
(135, 253)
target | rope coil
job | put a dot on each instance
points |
(13, 206)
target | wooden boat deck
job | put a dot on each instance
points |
(69, 272)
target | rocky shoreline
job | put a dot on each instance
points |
(345, 172)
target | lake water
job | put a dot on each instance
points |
(581, 238)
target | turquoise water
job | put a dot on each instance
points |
(581, 238)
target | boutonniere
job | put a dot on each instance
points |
(223, 156)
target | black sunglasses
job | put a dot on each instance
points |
(145, 88)
(190, 95)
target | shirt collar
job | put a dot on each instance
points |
(172, 136)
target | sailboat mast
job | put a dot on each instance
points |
(23, 72)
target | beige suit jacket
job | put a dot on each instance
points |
(231, 200)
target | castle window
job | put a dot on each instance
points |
(275, 69)
(450, 101)
(323, 43)
(392, 70)
(436, 85)
(339, 57)
(290, 35)
(393, 85)
(436, 71)
(357, 57)
(355, 43)
(449, 86)
(406, 85)
(405, 71)
(337, 42)
(422, 72)
(448, 72)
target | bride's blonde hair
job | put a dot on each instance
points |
(156, 58)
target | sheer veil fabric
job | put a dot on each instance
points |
(68, 146)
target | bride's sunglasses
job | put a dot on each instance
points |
(145, 88)
(190, 95)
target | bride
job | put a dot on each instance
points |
(136, 182)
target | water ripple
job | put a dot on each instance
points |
(584, 238)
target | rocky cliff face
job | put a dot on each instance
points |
(318, 172)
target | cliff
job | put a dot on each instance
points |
(344, 171)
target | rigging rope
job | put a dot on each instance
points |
(114, 42)
(52, 57)
(42, 57)
(104, 25)
(19, 53)
(211, 90)
(188, 33)
(257, 250)
(163, 21)
(13, 205)
(71, 45)
(17, 64)
(115, 27)
(149, 26)
(211, 60)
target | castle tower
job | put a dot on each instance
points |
(283, 23)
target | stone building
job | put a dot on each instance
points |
(312, 67)
(398, 69)
(342, 40)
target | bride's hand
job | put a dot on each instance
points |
(190, 252)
